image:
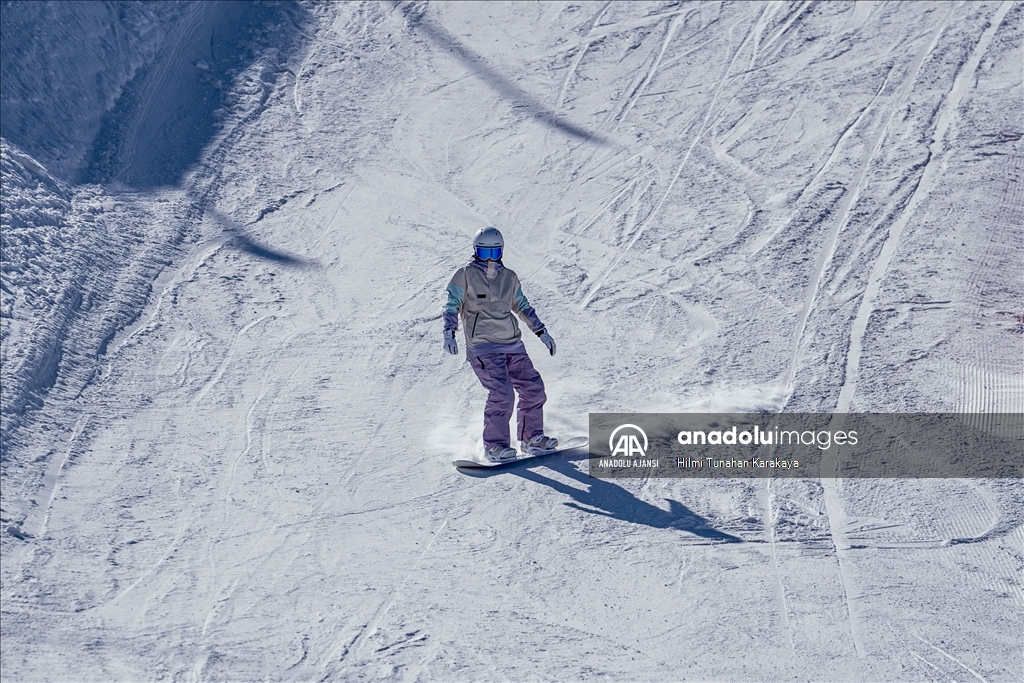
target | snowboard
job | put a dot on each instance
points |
(575, 442)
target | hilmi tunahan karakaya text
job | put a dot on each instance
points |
(735, 464)
(703, 463)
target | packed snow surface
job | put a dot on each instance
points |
(228, 420)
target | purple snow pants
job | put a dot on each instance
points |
(500, 373)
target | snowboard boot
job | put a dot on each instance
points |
(500, 453)
(538, 445)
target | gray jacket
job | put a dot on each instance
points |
(485, 295)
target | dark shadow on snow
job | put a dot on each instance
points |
(248, 246)
(413, 14)
(173, 109)
(243, 243)
(606, 498)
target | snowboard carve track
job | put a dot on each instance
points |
(849, 200)
(761, 243)
(832, 500)
(932, 666)
(227, 359)
(797, 13)
(174, 544)
(927, 180)
(368, 631)
(51, 480)
(675, 177)
(577, 58)
(618, 192)
(247, 429)
(951, 658)
(636, 92)
(780, 592)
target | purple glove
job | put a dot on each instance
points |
(548, 341)
(449, 342)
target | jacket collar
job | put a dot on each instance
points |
(490, 269)
(482, 265)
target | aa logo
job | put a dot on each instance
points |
(628, 445)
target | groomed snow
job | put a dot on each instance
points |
(228, 420)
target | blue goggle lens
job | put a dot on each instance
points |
(488, 253)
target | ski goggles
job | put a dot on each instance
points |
(488, 253)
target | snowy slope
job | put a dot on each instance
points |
(235, 462)
(55, 95)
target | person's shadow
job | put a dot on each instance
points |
(603, 497)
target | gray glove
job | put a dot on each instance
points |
(449, 342)
(548, 341)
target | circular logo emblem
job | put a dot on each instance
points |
(628, 442)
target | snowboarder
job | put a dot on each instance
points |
(485, 294)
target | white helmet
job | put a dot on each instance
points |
(488, 244)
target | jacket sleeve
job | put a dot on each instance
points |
(456, 297)
(525, 311)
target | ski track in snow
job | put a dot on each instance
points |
(227, 442)
(850, 197)
(682, 164)
(924, 187)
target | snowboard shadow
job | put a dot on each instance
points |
(605, 498)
